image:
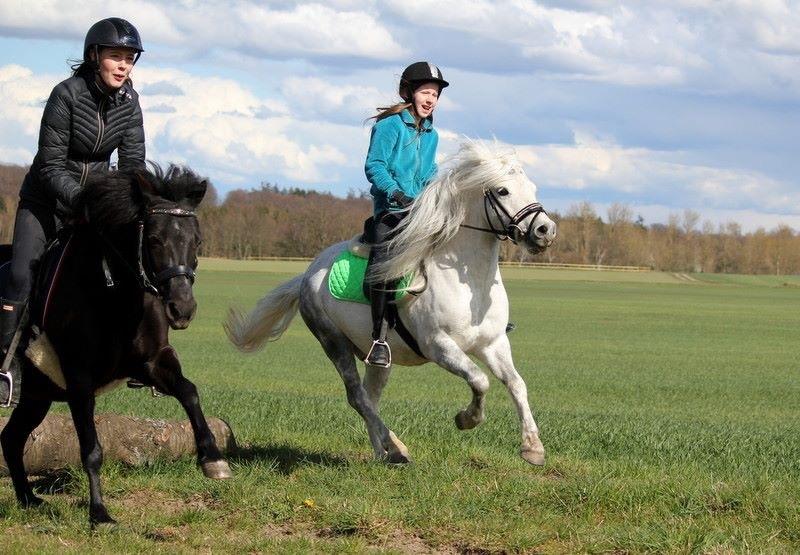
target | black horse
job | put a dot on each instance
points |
(125, 279)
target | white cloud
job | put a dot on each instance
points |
(304, 30)
(313, 97)
(639, 174)
(22, 98)
(200, 128)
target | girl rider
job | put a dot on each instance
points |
(87, 117)
(400, 162)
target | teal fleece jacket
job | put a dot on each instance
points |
(400, 157)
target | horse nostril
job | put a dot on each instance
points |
(542, 230)
(172, 310)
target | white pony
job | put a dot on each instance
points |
(454, 230)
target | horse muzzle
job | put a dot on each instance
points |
(541, 234)
(179, 304)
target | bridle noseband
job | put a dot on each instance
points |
(153, 284)
(512, 229)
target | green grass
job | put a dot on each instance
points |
(669, 411)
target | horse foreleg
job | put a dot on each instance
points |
(375, 379)
(82, 408)
(28, 414)
(498, 358)
(168, 377)
(450, 357)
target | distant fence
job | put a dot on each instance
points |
(565, 266)
(506, 263)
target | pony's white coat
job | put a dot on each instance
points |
(463, 312)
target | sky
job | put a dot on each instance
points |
(664, 106)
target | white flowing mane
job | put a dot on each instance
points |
(436, 215)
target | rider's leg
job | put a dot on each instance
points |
(381, 293)
(33, 228)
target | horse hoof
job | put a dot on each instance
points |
(30, 501)
(101, 520)
(398, 458)
(465, 421)
(217, 470)
(535, 457)
(396, 451)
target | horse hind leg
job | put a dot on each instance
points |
(26, 416)
(339, 349)
(82, 408)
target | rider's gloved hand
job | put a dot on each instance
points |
(401, 200)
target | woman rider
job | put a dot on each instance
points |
(400, 162)
(87, 117)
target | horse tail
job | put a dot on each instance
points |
(268, 320)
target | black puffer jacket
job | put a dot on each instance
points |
(81, 127)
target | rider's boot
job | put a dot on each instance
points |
(10, 377)
(379, 354)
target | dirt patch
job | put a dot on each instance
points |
(408, 542)
(398, 540)
(145, 501)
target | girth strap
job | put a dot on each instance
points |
(406, 336)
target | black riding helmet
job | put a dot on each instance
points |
(112, 32)
(416, 74)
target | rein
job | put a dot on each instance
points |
(490, 200)
(152, 284)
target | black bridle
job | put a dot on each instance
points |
(154, 283)
(147, 281)
(511, 228)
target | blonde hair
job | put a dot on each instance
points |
(386, 111)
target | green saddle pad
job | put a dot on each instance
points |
(347, 276)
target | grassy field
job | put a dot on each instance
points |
(668, 408)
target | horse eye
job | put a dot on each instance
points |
(502, 191)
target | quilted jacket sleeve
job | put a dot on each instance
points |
(54, 138)
(131, 149)
(385, 135)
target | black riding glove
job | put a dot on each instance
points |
(401, 200)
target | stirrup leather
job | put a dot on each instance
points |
(379, 343)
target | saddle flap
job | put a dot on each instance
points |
(47, 277)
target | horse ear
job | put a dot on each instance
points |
(144, 180)
(195, 197)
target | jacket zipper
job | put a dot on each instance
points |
(416, 170)
(101, 127)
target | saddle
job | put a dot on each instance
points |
(346, 279)
(346, 282)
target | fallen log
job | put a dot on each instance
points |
(53, 445)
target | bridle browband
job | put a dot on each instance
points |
(153, 284)
(512, 224)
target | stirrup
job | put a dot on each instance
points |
(379, 344)
(9, 401)
(136, 384)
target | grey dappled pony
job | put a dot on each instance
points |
(454, 229)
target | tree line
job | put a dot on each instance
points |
(293, 222)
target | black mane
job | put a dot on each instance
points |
(113, 199)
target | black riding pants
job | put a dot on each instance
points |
(383, 229)
(34, 227)
(381, 293)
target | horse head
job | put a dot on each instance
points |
(170, 237)
(507, 202)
